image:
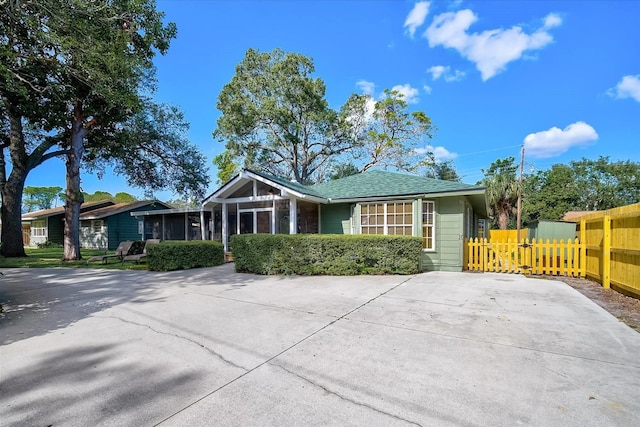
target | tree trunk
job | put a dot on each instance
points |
(73, 193)
(503, 219)
(11, 211)
(11, 192)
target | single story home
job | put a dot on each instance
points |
(48, 224)
(103, 224)
(442, 213)
(106, 227)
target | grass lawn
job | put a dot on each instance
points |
(52, 257)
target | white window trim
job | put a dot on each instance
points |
(433, 225)
(385, 226)
(43, 229)
(94, 223)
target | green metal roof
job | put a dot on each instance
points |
(377, 183)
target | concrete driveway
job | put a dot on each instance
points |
(212, 347)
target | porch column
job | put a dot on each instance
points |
(186, 226)
(293, 216)
(202, 225)
(225, 227)
(273, 217)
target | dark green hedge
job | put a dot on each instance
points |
(331, 254)
(182, 255)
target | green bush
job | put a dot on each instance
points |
(310, 254)
(182, 255)
(48, 244)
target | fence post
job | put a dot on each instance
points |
(485, 252)
(583, 249)
(606, 252)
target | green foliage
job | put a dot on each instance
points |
(38, 198)
(275, 118)
(389, 135)
(310, 254)
(122, 197)
(502, 191)
(152, 150)
(550, 194)
(582, 185)
(97, 196)
(76, 80)
(48, 244)
(438, 169)
(185, 203)
(182, 255)
(343, 170)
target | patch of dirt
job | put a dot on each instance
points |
(626, 309)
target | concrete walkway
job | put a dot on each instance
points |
(212, 347)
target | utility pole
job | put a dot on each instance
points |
(520, 193)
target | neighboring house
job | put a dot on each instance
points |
(106, 227)
(442, 213)
(48, 225)
(103, 224)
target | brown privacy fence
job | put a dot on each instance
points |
(608, 252)
(612, 243)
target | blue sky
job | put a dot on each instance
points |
(563, 78)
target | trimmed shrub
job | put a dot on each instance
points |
(330, 254)
(171, 255)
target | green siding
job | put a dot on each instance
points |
(335, 219)
(448, 255)
(123, 226)
(55, 226)
(552, 230)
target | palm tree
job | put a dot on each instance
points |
(502, 190)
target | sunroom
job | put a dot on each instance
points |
(253, 202)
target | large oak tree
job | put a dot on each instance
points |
(275, 118)
(80, 74)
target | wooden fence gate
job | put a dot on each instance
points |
(527, 257)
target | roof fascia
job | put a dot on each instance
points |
(217, 196)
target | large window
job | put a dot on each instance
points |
(39, 228)
(428, 226)
(393, 218)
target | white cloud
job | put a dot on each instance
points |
(555, 141)
(410, 93)
(454, 77)
(490, 50)
(628, 87)
(440, 153)
(438, 71)
(416, 17)
(552, 20)
(366, 87)
(427, 89)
